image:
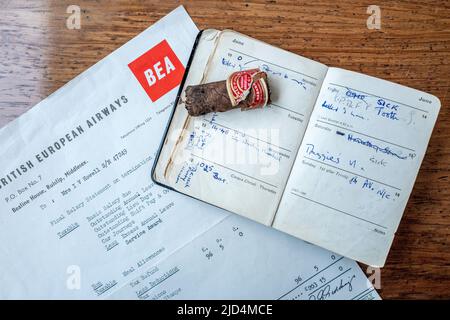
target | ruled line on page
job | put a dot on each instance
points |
(380, 97)
(287, 109)
(337, 210)
(276, 65)
(366, 135)
(235, 171)
(362, 293)
(366, 294)
(356, 174)
(247, 135)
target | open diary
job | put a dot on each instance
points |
(331, 160)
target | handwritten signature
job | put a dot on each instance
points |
(328, 291)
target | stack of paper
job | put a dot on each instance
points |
(81, 218)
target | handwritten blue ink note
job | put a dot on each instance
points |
(356, 165)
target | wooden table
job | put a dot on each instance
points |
(38, 54)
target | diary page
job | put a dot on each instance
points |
(239, 160)
(357, 165)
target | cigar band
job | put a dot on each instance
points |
(241, 83)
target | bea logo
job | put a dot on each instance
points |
(158, 70)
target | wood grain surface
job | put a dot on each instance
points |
(38, 54)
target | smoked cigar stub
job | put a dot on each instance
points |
(246, 89)
(205, 98)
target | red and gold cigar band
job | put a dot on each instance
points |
(242, 83)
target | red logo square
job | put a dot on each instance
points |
(158, 70)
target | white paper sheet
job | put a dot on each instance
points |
(99, 216)
(240, 259)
